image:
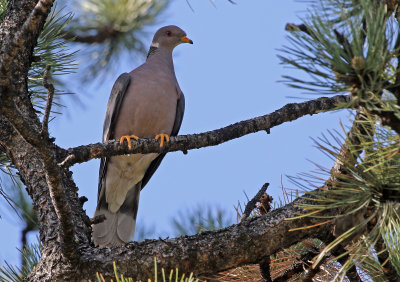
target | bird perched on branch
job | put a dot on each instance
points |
(145, 103)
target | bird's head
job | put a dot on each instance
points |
(169, 37)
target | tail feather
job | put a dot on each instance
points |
(126, 226)
(118, 228)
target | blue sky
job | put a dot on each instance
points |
(231, 73)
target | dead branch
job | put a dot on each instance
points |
(264, 265)
(250, 206)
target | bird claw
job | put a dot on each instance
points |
(128, 139)
(163, 137)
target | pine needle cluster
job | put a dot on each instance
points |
(354, 47)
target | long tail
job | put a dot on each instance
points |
(119, 227)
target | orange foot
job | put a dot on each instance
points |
(163, 137)
(128, 138)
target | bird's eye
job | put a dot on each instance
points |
(169, 33)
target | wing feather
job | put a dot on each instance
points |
(180, 109)
(113, 107)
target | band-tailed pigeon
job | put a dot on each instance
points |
(146, 103)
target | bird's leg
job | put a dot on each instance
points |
(163, 137)
(128, 138)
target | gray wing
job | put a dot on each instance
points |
(113, 107)
(180, 109)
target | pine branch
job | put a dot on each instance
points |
(24, 233)
(298, 27)
(346, 155)
(106, 33)
(287, 113)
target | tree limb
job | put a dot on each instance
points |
(347, 155)
(28, 31)
(287, 113)
(19, 114)
(11, 140)
(203, 254)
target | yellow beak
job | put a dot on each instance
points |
(184, 39)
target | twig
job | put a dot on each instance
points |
(252, 203)
(190, 6)
(312, 271)
(344, 42)
(98, 219)
(50, 95)
(287, 113)
(298, 27)
(83, 200)
(24, 232)
(351, 273)
(105, 33)
(298, 266)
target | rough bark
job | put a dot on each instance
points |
(202, 254)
